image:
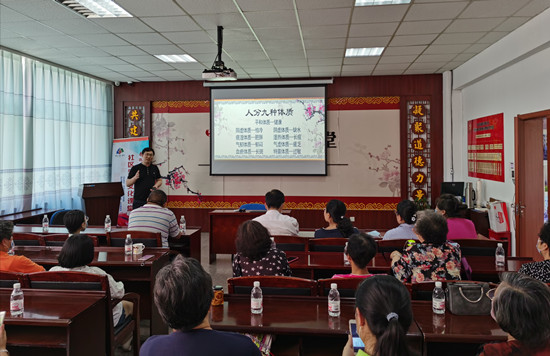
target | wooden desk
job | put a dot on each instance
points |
(223, 230)
(57, 323)
(300, 316)
(450, 334)
(193, 236)
(137, 276)
(485, 269)
(33, 216)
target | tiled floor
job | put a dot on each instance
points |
(219, 270)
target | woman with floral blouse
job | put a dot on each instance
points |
(256, 254)
(434, 258)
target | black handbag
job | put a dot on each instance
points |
(468, 298)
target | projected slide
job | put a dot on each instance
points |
(268, 131)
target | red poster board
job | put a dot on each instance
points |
(486, 147)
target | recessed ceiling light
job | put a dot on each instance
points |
(380, 2)
(364, 52)
(95, 8)
(175, 58)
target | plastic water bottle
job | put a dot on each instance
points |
(128, 245)
(17, 301)
(333, 301)
(346, 261)
(183, 225)
(107, 223)
(45, 223)
(256, 299)
(499, 255)
(438, 299)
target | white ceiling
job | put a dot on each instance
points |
(262, 38)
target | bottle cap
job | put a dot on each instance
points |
(108, 216)
(438, 284)
(333, 286)
(256, 283)
(217, 287)
(130, 236)
(17, 285)
(499, 244)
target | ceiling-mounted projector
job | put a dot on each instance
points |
(219, 71)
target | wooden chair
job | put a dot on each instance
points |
(69, 280)
(346, 286)
(7, 279)
(149, 239)
(388, 246)
(328, 244)
(291, 243)
(27, 239)
(479, 247)
(59, 239)
(273, 285)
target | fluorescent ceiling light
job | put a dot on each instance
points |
(95, 8)
(364, 52)
(175, 58)
(380, 2)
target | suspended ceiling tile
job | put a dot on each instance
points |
(435, 11)
(373, 14)
(492, 8)
(422, 27)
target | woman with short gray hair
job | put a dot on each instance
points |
(521, 307)
(183, 293)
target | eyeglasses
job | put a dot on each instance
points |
(491, 293)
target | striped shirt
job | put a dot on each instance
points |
(154, 218)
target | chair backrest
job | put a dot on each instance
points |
(7, 279)
(479, 247)
(388, 246)
(252, 206)
(26, 239)
(59, 239)
(291, 243)
(346, 286)
(328, 244)
(273, 285)
(69, 280)
(57, 217)
(424, 290)
(148, 238)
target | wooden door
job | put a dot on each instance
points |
(529, 202)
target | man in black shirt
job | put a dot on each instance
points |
(145, 176)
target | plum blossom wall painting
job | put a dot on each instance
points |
(165, 138)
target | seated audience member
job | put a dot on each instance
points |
(183, 293)
(155, 217)
(406, 217)
(521, 307)
(273, 220)
(255, 254)
(77, 252)
(459, 228)
(75, 221)
(383, 314)
(361, 250)
(13, 263)
(433, 258)
(540, 270)
(338, 224)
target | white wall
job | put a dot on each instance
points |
(511, 77)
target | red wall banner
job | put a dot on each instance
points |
(486, 147)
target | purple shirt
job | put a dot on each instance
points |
(460, 228)
(199, 342)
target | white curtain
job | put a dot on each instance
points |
(62, 135)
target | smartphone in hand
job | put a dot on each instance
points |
(357, 342)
